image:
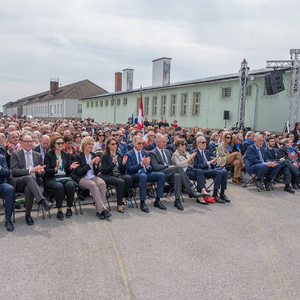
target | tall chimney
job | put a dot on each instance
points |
(161, 71)
(118, 82)
(127, 79)
(53, 85)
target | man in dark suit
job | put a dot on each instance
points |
(12, 145)
(289, 171)
(161, 162)
(151, 146)
(43, 146)
(203, 161)
(171, 147)
(256, 161)
(26, 170)
(8, 192)
(139, 168)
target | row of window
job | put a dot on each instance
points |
(105, 102)
(54, 109)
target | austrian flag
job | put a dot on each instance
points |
(140, 122)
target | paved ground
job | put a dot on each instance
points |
(248, 249)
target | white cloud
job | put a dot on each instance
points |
(55, 39)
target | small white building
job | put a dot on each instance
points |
(58, 102)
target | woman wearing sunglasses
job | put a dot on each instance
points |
(113, 170)
(87, 176)
(99, 141)
(57, 172)
(185, 160)
(227, 156)
(76, 140)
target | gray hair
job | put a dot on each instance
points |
(199, 138)
(258, 135)
(158, 137)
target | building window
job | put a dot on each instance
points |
(118, 101)
(154, 107)
(226, 92)
(146, 104)
(55, 109)
(79, 108)
(96, 103)
(112, 102)
(101, 103)
(125, 101)
(196, 104)
(88, 104)
(163, 105)
(173, 104)
(184, 104)
(92, 104)
(106, 102)
(248, 90)
(58, 108)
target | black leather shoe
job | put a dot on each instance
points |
(259, 184)
(144, 207)
(218, 199)
(195, 194)
(177, 204)
(295, 187)
(223, 197)
(203, 203)
(9, 225)
(60, 215)
(106, 214)
(158, 204)
(47, 205)
(100, 216)
(69, 213)
(29, 220)
(17, 205)
(288, 189)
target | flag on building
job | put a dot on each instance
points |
(140, 123)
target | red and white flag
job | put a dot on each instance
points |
(140, 122)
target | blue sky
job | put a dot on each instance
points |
(76, 40)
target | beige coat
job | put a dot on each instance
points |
(179, 160)
(221, 154)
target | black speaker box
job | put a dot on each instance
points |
(226, 115)
(274, 83)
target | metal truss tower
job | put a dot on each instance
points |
(294, 63)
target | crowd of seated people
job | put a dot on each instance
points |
(58, 157)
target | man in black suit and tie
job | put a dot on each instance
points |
(161, 162)
(43, 146)
(256, 161)
(203, 161)
(26, 170)
(139, 168)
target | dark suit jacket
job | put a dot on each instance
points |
(172, 148)
(50, 162)
(107, 165)
(273, 156)
(252, 157)
(18, 165)
(157, 161)
(83, 167)
(151, 146)
(198, 161)
(132, 165)
(3, 151)
(4, 172)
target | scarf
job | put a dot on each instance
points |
(251, 143)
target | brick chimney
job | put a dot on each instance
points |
(53, 85)
(118, 82)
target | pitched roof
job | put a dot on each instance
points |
(77, 90)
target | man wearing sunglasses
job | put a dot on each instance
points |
(161, 162)
(139, 168)
(203, 161)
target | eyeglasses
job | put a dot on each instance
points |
(139, 143)
(100, 134)
(113, 144)
(59, 143)
(228, 137)
(77, 136)
(184, 144)
(114, 135)
(90, 144)
(203, 142)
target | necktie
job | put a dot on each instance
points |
(44, 152)
(164, 157)
(204, 159)
(140, 160)
(260, 156)
(29, 163)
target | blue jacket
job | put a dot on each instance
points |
(252, 158)
(198, 161)
(122, 148)
(4, 171)
(271, 156)
(132, 165)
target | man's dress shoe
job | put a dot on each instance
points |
(144, 207)
(223, 197)
(288, 189)
(218, 199)
(29, 220)
(158, 204)
(177, 204)
(47, 205)
(195, 194)
(259, 184)
(9, 225)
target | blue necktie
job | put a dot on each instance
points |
(140, 160)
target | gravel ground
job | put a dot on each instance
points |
(247, 249)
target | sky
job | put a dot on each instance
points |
(93, 39)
